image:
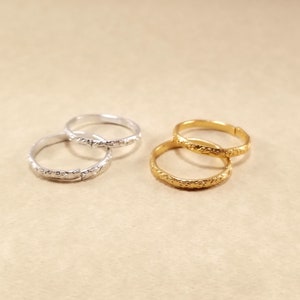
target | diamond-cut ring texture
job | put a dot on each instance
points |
(65, 175)
(200, 147)
(82, 137)
(102, 119)
(187, 184)
(179, 141)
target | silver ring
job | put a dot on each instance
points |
(80, 136)
(65, 175)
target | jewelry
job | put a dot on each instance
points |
(199, 146)
(80, 137)
(187, 184)
(65, 175)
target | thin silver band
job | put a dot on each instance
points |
(82, 138)
(65, 175)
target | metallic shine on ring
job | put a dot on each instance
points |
(199, 145)
(80, 137)
(65, 175)
(187, 184)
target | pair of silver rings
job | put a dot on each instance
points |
(85, 138)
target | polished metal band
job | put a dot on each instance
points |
(65, 175)
(187, 184)
(82, 138)
(199, 145)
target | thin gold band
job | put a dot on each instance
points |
(199, 145)
(187, 184)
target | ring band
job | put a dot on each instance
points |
(187, 184)
(65, 175)
(199, 146)
(80, 137)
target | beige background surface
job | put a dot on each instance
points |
(124, 235)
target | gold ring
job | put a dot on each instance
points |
(187, 184)
(199, 145)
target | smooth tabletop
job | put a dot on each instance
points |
(124, 235)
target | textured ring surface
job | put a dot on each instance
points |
(199, 145)
(187, 184)
(80, 137)
(65, 175)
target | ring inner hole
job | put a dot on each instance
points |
(186, 164)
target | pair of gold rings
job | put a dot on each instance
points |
(200, 147)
